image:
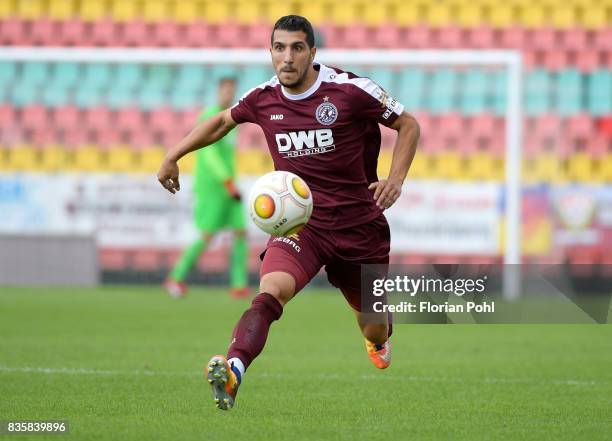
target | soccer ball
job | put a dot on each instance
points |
(280, 203)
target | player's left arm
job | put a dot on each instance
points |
(387, 191)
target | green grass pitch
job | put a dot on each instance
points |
(126, 363)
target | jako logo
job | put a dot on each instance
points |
(305, 142)
(277, 117)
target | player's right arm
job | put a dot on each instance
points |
(206, 133)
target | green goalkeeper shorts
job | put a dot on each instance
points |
(216, 214)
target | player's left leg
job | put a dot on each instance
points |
(360, 246)
(175, 283)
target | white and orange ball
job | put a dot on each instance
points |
(280, 203)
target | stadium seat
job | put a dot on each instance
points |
(386, 36)
(574, 38)
(112, 259)
(52, 158)
(443, 87)
(44, 32)
(544, 38)
(198, 34)
(562, 17)
(580, 167)
(473, 92)
(537, 90)
(64, 74)
(155, 10)
(569, 92)
(604, 126)
(87, 158)
(481, 37)
(602, 38)
(124, 11)
(167, 34)
(450, 37)
(502, 15)
(136, 33)
(104, 32)
(599, 92)
(91, 11)
(55, 96)
(597, 147)
(87, 97)
(14, 32)
(514, 37)
(119, 97)
(406, 13)
(119, 158)
(129, 118)
(34, 116)
(419, 37)
(579, 127)
(96, 75)
(77, 136)
(184, 11)
(8, 72)
(411, 88)
(66, 117)
(587, 60)
(553, 60)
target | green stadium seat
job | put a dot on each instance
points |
(251, 77)
(410, 88)
(24, 94)
(87, 97)
(191, 76)
(129, 74)
(383, 77)
(8, 72)
(473, 92)
(537, 92)
(599, 92)
(499, 84)
(55, 96)
(442, 91)
(119, 97)
(182, 99)
(151, 97)
(65, 74)
(569, 92)
(97, 74)
(160, 75)
(34, 72)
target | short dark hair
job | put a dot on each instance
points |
(295, 23)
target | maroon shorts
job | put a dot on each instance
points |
(342, 252)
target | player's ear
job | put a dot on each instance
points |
(313, 52)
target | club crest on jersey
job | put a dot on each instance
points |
(326, 113)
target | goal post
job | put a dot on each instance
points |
(509, 60)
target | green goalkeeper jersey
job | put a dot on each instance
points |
(215, 163)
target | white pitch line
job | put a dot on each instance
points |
(330, 376)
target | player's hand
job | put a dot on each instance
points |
(232, 190)
(386, 192)
(168, 175)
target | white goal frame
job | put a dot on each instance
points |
(510, 60)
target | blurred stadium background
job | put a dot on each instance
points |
(80, 142)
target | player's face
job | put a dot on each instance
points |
(291, 57)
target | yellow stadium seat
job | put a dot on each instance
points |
(254, 162)
(501, 15)
(120, 158)
(384, 164)
(53, 158)
(86, 158)
(61, 9)
(418, 168)
(344, 13)
(155, 10)
(469, 15)
(7, 8)
(92, 10)
(406, 13)
(125, 10)
(580, 168)
(594, 17)
(605, 168)
(148, 160)
(31, 8)
(450, 165)
(186, 11)
(248, 12)
(532, 16)
(438, 15)
(563, 17)
(216, 12)
(23, 158)
(482, 167)
(374, 13)
(549, 168)
(316, 11)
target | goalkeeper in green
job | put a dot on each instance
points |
(217, 204)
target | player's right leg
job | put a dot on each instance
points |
(286, 268)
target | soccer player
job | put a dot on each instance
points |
(217, 204)
(322, 124)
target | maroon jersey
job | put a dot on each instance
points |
(329, 136)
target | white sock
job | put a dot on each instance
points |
(238, 363)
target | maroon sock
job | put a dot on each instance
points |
(251, 331)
